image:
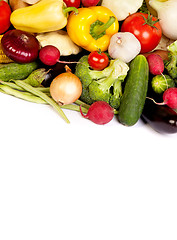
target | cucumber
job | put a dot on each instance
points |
(16, 71)
(134, 94)
(161, 82)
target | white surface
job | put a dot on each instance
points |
(83, 181)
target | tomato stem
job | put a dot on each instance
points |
(149, 20)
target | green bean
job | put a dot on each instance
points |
(86, 106)
(22, 95)
(79, 102)
(32, 98)
(74, 108)
(42, 95)
(15, 86)
(17, 91)
(12, 85)
(44, 89)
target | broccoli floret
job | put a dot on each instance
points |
(105, 85)
(117, 94)
(171, 64)
(82, 69)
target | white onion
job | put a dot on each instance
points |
(124, 46)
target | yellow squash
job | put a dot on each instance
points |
(44, 16)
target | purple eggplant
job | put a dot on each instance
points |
(60, 67)
(160, 117)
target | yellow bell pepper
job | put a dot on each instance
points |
(92, 27)
(44, 16)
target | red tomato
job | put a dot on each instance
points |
(145, 28)
(73, 3)
(5, 12)
(98, 60)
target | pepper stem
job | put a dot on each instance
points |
(98, 28)
(66, 10)
(105, 26)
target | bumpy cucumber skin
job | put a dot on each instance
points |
(16, 71)
(135, 91)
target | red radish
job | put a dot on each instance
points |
(99, 112)
(156, 64)
(89, 3)
(50, 55)
(170, 97)
(73, 3)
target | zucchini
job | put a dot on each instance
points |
(134, 94)
(16, 71)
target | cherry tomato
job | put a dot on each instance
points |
(73, 3)
(5, 12)
(146, 28)
(98, 60)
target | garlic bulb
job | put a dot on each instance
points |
(124, 46)
(167, 15)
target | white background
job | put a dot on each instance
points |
(83, 181)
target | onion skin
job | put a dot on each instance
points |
(66, 88)
(20, 46)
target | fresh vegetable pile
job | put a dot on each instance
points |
(101, 58)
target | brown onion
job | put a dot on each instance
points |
(66, 88)
(20, 46)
